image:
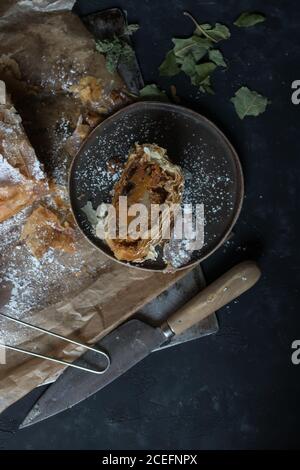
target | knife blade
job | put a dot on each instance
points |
(134, 340)
(127, 345)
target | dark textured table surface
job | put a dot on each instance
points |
(237, 389)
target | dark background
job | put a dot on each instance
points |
(237, 389)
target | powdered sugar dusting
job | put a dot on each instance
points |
(15, 145)
(28, 284)
(60, 74)
(206, 160)
(9, 174)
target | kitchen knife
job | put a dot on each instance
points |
(134, 340)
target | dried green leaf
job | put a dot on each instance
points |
(249, 103)
(201, 77)
(204, 70)
(127, 55)
(199, 51)
(218, 32)
(214, 34)
(169, 66)
(117, 50)
(104, 46)
(112, 49)
(206, 26)
(153, 92)
(205, 86)
(183, 46)
(249, 19)
(216, 56)
(188, 65)
(198, 73)
(188, 52)
(90, 212)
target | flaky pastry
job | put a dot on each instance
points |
(148, 178)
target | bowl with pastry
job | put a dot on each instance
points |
(156, 186)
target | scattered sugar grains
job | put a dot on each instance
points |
(209, 180)
(43, 278)
(10, 129)
(33, 284)
(58, 167)
(26, 283)
(60, 74)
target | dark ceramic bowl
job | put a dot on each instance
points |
(213, 174)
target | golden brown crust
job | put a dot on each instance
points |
(14, 198)
(21, 177)
(43, 230)
(148, 178)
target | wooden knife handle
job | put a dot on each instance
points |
(229, 286)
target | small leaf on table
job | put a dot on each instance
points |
(249, 19)
(205, 69)
(216, 56)
(169, 66)
(217, 33)
(249, 103)
(153, 92)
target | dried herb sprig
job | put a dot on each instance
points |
(118, 50)
(196, 55)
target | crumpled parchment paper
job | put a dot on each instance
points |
(44, 49)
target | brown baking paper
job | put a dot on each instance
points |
(116, 294)
(44, 51)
